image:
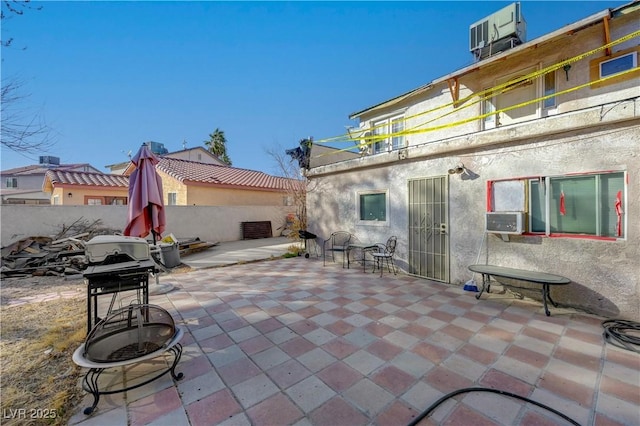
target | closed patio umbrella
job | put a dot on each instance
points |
(146, 205)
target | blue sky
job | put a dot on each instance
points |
(108, 76)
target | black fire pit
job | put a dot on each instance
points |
(128, 333)
(133, 334)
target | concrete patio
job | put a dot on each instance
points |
(293, 342)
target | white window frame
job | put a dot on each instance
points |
(385, 127)
(634, 63)
(170, 201)
(550, 103)
(488, 106)
(11, 182)
(544, 202)
(359, 196)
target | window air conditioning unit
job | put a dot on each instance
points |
(505, 222)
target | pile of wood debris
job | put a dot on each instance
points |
(64, 253)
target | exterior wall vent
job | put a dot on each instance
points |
(498, 32)
(505, 222)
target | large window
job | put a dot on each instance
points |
(373, 206)
(589, 205)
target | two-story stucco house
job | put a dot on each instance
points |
(543, 134)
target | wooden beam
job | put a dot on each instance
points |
(607, 35)
(454, 88)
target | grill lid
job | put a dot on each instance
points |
(131, 332)
(100, 247)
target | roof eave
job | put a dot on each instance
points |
(567, 29)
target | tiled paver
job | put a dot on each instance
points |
(292, 342)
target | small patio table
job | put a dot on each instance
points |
(364, 248)
(534, 277)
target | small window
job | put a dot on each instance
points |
(94, 201)
(12, 182)
(619, 64)
(549, 89)
(379, 144)
(488, 107)
(373, 207)
(397, 126)
(172, 199)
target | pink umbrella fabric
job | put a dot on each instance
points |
(146, 205)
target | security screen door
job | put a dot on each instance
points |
(428, 228)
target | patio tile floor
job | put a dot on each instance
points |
(293, 342)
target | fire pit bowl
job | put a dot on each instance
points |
(129, 333)
(137, 333)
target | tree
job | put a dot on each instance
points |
(217, 145)
(22, 131)
(297, 188)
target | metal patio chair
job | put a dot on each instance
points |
(337, 242)
(385, 254)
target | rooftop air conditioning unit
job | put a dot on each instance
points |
(49, 160)
(497, 32)
(505, 222)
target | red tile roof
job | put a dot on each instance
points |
(191, 171)
(86, 178)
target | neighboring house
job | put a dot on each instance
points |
(23, 185)
(191, 183)
(85, 188)
(198, 154)
(544, 133)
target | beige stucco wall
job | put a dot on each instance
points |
(209, 195)
(213, 224)
(79, 194)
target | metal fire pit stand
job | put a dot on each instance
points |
(113, 279)
(90, 381)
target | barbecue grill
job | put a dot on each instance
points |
(130, 334)
(308, 236)
(116, 264)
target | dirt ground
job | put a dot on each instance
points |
(14, 289)
(37, 341)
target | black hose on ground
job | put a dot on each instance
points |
(622, 333)
(426, 412)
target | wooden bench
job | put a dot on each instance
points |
(538, 278)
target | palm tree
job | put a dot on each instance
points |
(217, 145)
